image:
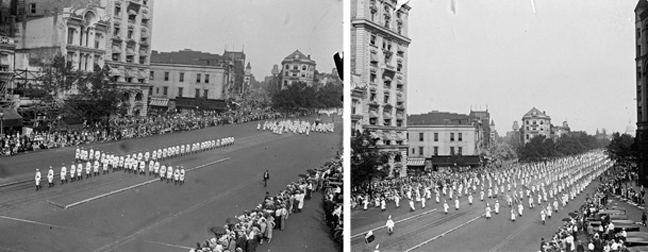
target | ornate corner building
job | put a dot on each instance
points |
(379, 43)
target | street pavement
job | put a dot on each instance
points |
(162, 216)
(431, 229)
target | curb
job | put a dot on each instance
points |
(127, 188)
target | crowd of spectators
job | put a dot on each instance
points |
(254, 227)
(578, 232)
(126, 127)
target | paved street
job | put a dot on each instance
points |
(464, 230)
(161, 216)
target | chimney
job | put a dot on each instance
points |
(309, 56)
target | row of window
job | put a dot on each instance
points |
(296, 67)
(82, 38)
(181, 77)
(436, 137)
(295, 74)
(386, 122)
(534, 122)
(436, 151)
(165, 91)
(387, 20)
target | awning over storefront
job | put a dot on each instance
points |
(207, 104)
(373, 57)
(455, 160)
(116, 49)
(160, 102)
(10, 118)
(115, 72)
(415, 161)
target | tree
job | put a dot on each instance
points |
(97, 98)
(622, 147)
(366, 161)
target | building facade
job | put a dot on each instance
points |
(297, 67)
(77, 34)
(178, 78)
(129, 49)
(535, 123)
(116, 33)
(442, 134)
(379, 42)
(641, 62)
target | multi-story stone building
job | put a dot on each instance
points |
(445, 139)
(129, 49)
(297, 67)
(178, 78)
(379, 42)
(77, 34)
(641, 62)
(535, 123)
(116, 33)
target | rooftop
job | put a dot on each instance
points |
(439, 118)
(187, 57)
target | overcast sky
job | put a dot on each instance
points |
(269, 30)
(573, 59)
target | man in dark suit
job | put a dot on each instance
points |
(266, 176)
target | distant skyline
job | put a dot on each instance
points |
(572, 59)
(267, 31)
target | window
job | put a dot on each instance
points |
(32, 8)
(386, 98)
(98, 37)
(459, 150)
(436, 150)
(206, 78)
(421, 151)
(459, 137)
(150, 93)
(421, 137)
(372, 97)
(399, 67)
(157, 90)
(527, 127)
(452, 151)
(151, 74)
(116, 32)
(181, 77)
(295, 67)
(197, 94)
(70, 36)
(166, 76)
(413, 151)
(142, 59)
(399, 123)
(638, 50)
(436, 137)
(400, 28)
(140, 80)
(373, 15)
(115, 78)
(165, 90)
(198, 78)
(206, 92)
(130, 34)
(180, 89)
(287, 67)
(387, 122)
(372, 121)
(117, 11)
(372, 41)
(303, 68)
(527, 122)
(372, 78)
(129, 79)
(285, 83)
(303, 75)
(129, 58)
(294, 74)
(451, 137)
(145, 2)
(638, 33)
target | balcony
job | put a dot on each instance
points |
(388, 67)
(117, 38)
(400, 106)
(373, 104)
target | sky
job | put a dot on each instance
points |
(268, 31)
(572, 59)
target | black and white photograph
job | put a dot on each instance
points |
(169, 125)
(498, 125)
